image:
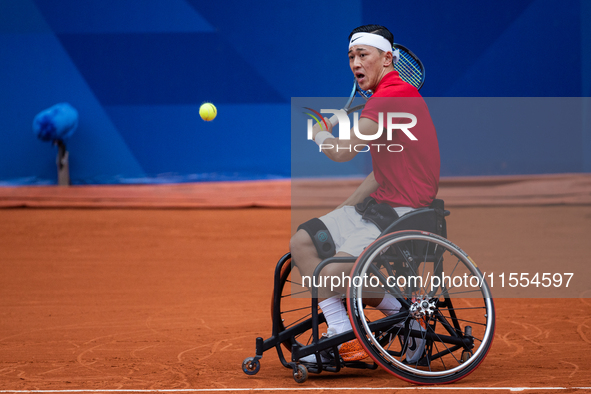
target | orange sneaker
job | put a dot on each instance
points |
(352, 351)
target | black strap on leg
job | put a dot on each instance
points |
(320, 237)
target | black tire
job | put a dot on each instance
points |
(250, 366)
(301, 375)
(454, 319)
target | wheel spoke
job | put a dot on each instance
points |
(299, 320)
(294, 283)
(293, 294)
(471, 307)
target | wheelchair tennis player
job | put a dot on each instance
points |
(402, 180)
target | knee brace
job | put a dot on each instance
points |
(320, 237)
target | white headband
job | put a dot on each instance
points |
(376, 41)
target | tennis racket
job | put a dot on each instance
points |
(409, 67)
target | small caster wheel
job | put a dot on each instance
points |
(250, 366)
(466, 354)
(301, 375)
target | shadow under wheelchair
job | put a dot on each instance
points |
(446, 320)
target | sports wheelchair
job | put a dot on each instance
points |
(437, 284)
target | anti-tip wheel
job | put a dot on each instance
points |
(301, 375)
(250, 366)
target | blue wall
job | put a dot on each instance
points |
(138, 70)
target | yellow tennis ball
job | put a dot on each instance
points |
(208, 111)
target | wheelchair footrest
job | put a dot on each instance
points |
(332, 367)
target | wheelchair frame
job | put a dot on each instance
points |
(429, 221)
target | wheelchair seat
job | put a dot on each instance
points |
(430, 219)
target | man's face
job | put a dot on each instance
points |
(367, 64)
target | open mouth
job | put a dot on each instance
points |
(359, 76)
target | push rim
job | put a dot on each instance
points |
(378, 248)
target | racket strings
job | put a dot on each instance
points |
(410, 77)
(410, 71)
(411, 61)
(409, 74)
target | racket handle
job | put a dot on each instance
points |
(334, 120)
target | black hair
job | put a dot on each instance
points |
(375, 29)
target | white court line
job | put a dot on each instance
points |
(292, 389)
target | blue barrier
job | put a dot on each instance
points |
(137, 74)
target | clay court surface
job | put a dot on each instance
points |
(133, 299)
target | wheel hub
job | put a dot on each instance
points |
(422, 307)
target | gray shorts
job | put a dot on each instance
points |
(351, 233)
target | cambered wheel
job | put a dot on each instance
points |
(452, 320)
(294, 305)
